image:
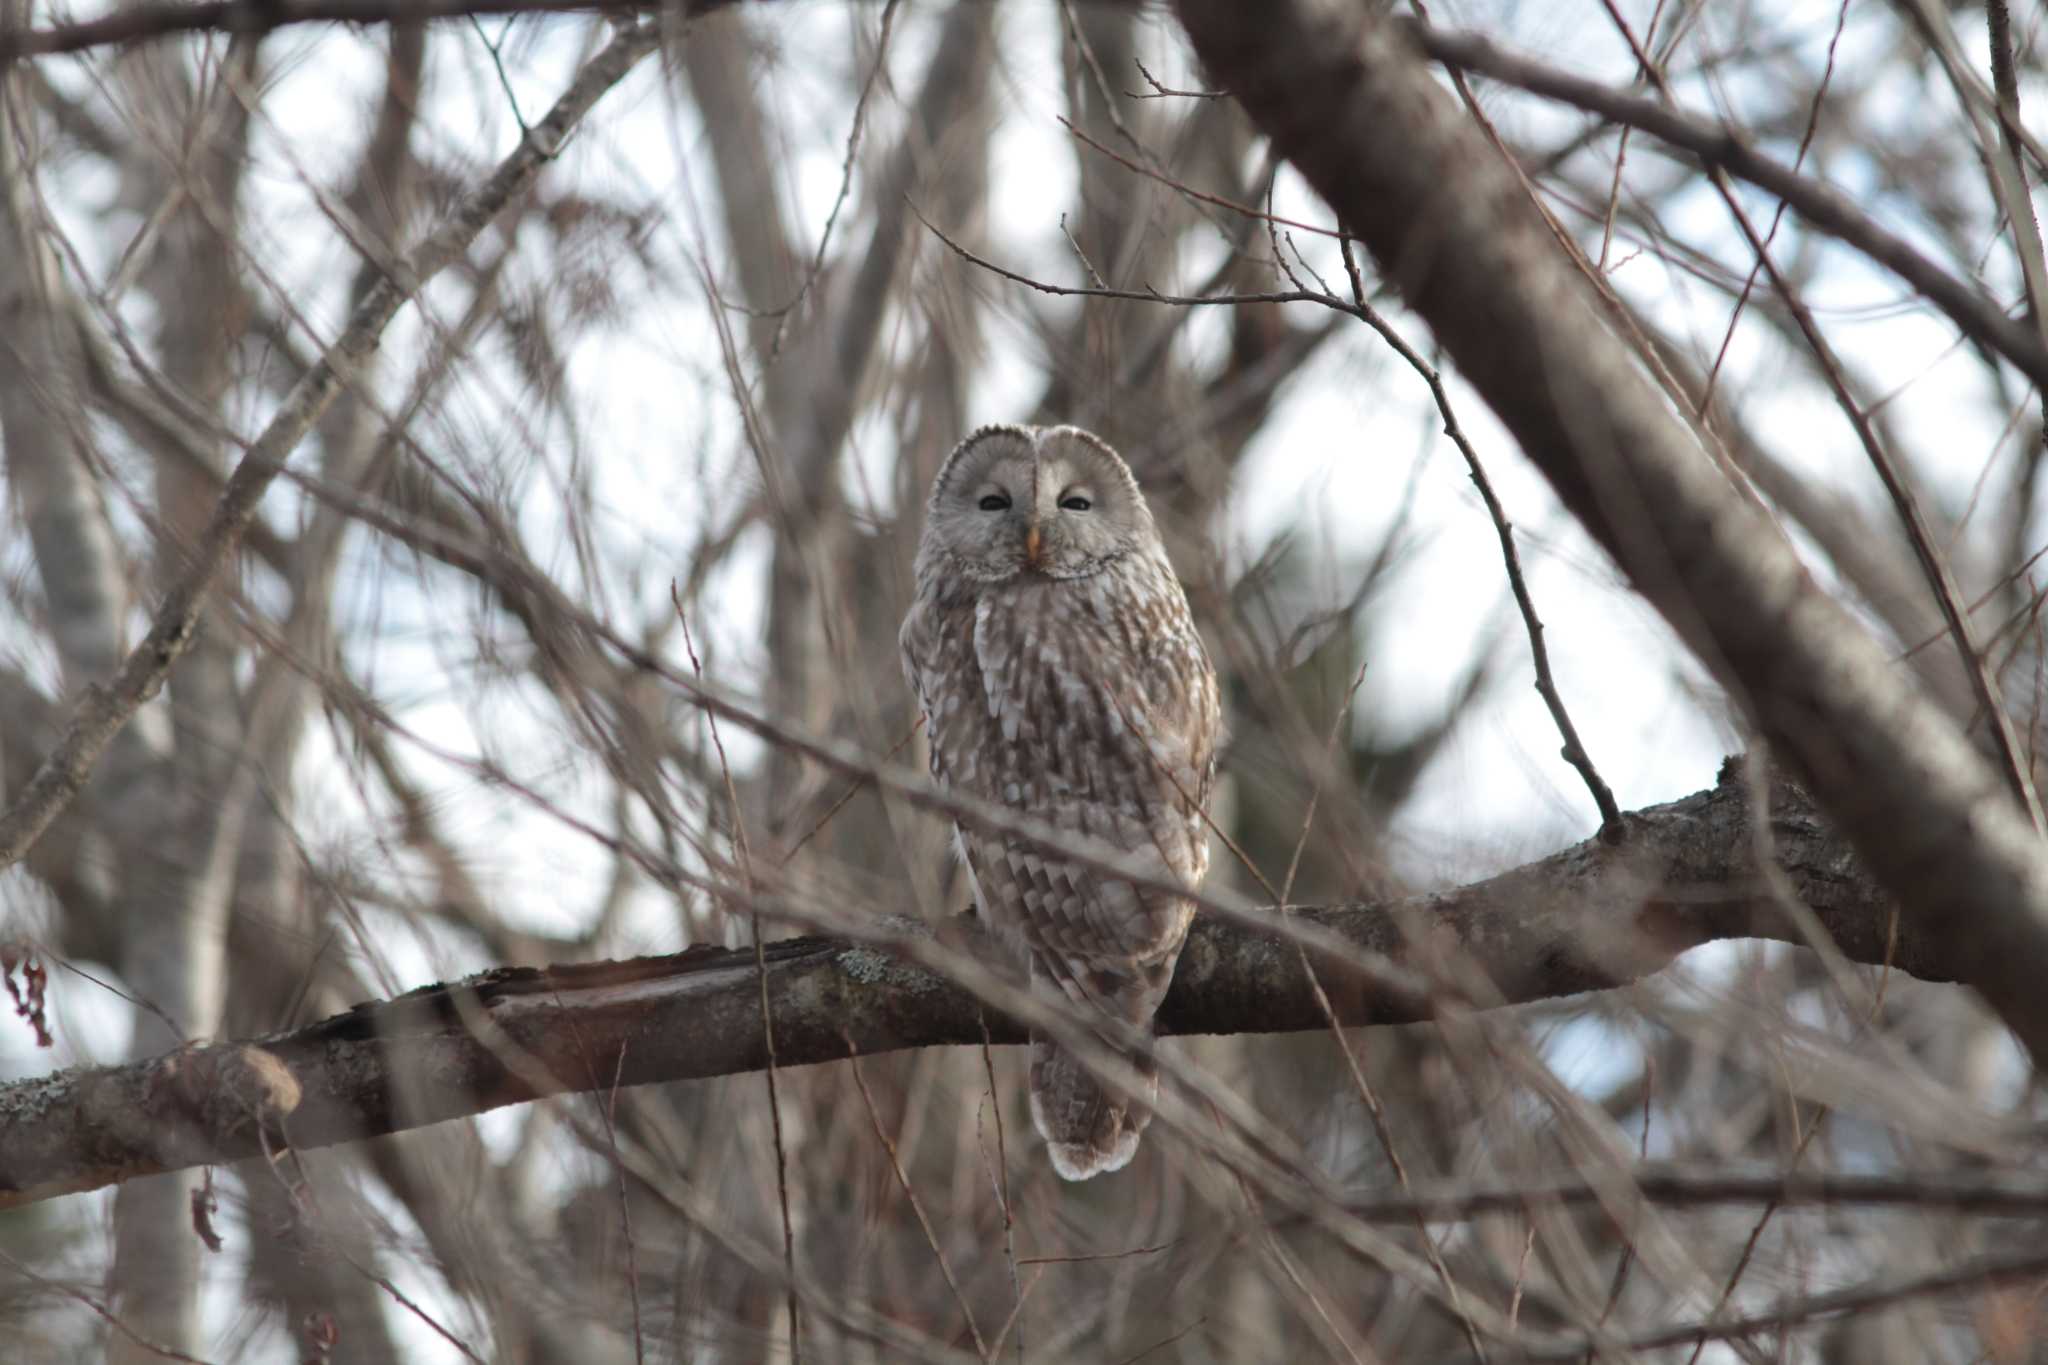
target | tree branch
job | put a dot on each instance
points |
(1588, 918)
(1994, 1193)
(146, 22)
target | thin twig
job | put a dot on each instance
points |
(145, 22)
(1135, 295)
(1778, 214)
(608, 1108)
(1385, 1133)
(746, 861)
(1315, 793)
(1099, 1255)
(1613, 201)
(1358, 1080)
(398, 1297)
(853, 789)
(1160, 92)
(2040, 684)
(1002, 1185)
(1164, 1342)
(1781, 890)
(860, 112)
(2009, 623)
(1100, 79)
(606, 1097)
(1082, 256)
(1101, 82)
(498, 63)
(1015, 1316)
(1180, 187)
(1981, 1191)
(2026, 232)
(910, 1193)
(1612, 829)
(1628, 1247)
(1521, 1273)
(99, 1309)
(1620, 161)
(1262, 1230)
(2009, 174)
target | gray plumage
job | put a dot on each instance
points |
(1060, 674)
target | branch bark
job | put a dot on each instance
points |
(1346, 96)
(1588, 918)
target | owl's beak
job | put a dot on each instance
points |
(1032, 547)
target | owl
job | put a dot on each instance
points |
(1060, 674)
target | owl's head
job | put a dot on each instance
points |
(1016, 500)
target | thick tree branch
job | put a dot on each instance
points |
(1591, 917)
(1346, 96)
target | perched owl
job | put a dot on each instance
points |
(1051, 649)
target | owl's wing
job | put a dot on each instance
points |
(938, 664)
(912, 642)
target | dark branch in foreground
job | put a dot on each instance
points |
(2011, 1194)
(148, 22)
(1588, 918)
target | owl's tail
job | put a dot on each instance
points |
(1088, 1129)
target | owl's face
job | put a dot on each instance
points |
(1013, 501)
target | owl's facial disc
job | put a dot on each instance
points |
(1040, 501)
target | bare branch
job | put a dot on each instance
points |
(1574, 750)
(2015, 1194)
(142, 23)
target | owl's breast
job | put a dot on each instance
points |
(1081, 677)
(1086, 701)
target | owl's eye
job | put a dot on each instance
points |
(995, 502)
(1077, 503)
